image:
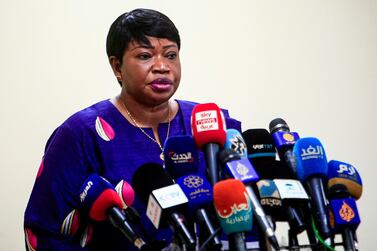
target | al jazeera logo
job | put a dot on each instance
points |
(288, 137)
(346, 212)
(193, 181)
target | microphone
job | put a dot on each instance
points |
(233, 210)
(100, 201)
(259, 143)
(284, 141)
(165, 200)
(199, 192)
(270, 199)
(311, 169)
(181, 156)
(127, 196)
(262, 155)
(208, 130)
(347, 175)
(235, 141)
(241, 169)
(344, 187)
(344, 216)
(294, 197)
(181, 161)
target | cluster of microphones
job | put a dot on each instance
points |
(254, 178)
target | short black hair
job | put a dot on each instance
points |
(135, 26)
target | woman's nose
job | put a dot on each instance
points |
(160, 65)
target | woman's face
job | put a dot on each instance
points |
(151, 74)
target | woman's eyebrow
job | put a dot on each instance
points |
(144, 46)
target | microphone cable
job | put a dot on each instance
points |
(319, 237)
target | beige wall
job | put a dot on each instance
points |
(313, 63)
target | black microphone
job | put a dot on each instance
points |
(165, 201)
(127, 195)
(284, 141)
(262, 155)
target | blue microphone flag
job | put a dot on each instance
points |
(197, 189)
(181, 156)
(285, 138)
(310, 158)
(344, 214)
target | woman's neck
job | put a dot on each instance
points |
(145, 115)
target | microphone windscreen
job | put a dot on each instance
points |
(197, 189)
(97, 195)
(278, 124)
(149, 177)
(228, 155)
(235, 141)
(208, 125)
(310, 157)
(126, 193)
(233, 206)
(259, 144)
(347, 175)
(181, 156)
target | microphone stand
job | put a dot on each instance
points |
(348, 240)
(236, 242)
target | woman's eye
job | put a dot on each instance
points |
(144, 56)
(172, 55)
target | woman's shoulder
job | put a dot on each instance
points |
(87, 120)
(89, 114)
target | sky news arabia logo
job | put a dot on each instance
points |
(206, 121)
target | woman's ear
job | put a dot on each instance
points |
(116, 65)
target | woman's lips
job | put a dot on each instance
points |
(161, 84)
